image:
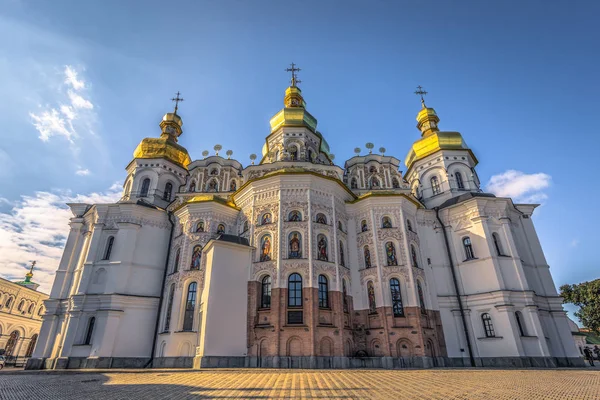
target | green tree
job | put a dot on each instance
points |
(586, 296)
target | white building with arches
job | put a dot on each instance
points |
(297, 262)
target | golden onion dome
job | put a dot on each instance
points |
(166, 145)
(294, 112)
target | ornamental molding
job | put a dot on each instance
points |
(368, 274)
(118, 219)
(260, 268)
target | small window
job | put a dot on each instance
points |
(435, 185)
(386, 222)
(340, 226)
(265, 294)
(295, 290)
(468, 248)
(497, 244)
(353, 184)
(363, 226)
(9, 302)
(342, 259)
(323, 292)
(421, 297)
(214, 171)
(375, 183)
(232, 186)
(193, 186)
(30, 309)
(190, 305)
(293, 153)
(413, 254)
(459, 180)
(397, 307)
(21, 305)
(345, 295)
(246, 227)
(145, 187)
(109, 246)
(488, 327)
(168, 191)
(212, 186)
(169, 308)
(41, 311)
(409, 225)
(520, 323)
(371, 297)
(176, 263)
(90, 331)
(395, 183)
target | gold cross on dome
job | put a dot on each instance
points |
(293, 70)
(421, 93)
(177, 99)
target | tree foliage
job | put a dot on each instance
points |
(586, 296)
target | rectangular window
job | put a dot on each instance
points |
(295, 317)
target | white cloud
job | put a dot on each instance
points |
(71, 78)
(83, 172)
(574, 242)
(36, 229)
(521, 187)
(72, 106)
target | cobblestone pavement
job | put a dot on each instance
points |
(302, 384)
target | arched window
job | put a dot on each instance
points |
(293, 153)
(232, 186)
(323, 292)
(459, 180)
(193, 186)
(41, 311)
(488, 327)
(353, 184)
(322, 248)
(421, 297)
(295, 245)
(367, 255)
(468, 248)
(344, 295)
(413, 254)
(9, 302)
(169, 308)
(375, 183)
(90, 330)
(220, 229)
(408, 225)
(390, 252)
(190, 305)
(214, 171)
(371, 296)
(310, 155)
(200, 226)
(363, 225)
(321, 219)
(246, 226)
(266, 219)
(386, 222)
(31, 345)
(176, 263)
(395, 183)
(265, 293)
(168, 191)
(520, 323)
(11, 343)
(295, 216)
(497, 244)
(277, 155)
(21, 305)
(145, 187)
(109, 246)
(342, 259)
(295, 290)
(372, 170)
(265, 248)
(196, 258)
(397, 307)
(30, 309)
(340, 226)
(212, 186)
(435, 185)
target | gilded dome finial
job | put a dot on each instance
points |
(29, 275)
(421, 92)
(294, 81)
(177, 99)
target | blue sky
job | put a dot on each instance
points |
(85, 81)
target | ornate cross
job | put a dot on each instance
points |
(293, 70)
(421, 93)
(177, 99)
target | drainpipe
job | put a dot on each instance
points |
(460, 305)
(162, 291)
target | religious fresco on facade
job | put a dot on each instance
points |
(367, 254)
(390, 252)
(345, 295)
(265, 248)
(413, 253)
(232, 186)
(220, 229)
(371, 295)
(266, 219)
(342, 260)
(322, 248)
(213, 186)
(200, 226)
(246, 226)
(196, 255)
(321, 219)
(176, 263)
(421, 297)
(295, 216)
(193, 186)
(295, 245)
(363, 226)
(386, 222)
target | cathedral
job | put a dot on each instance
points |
(296, 262)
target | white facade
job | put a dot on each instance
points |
(201, 250)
